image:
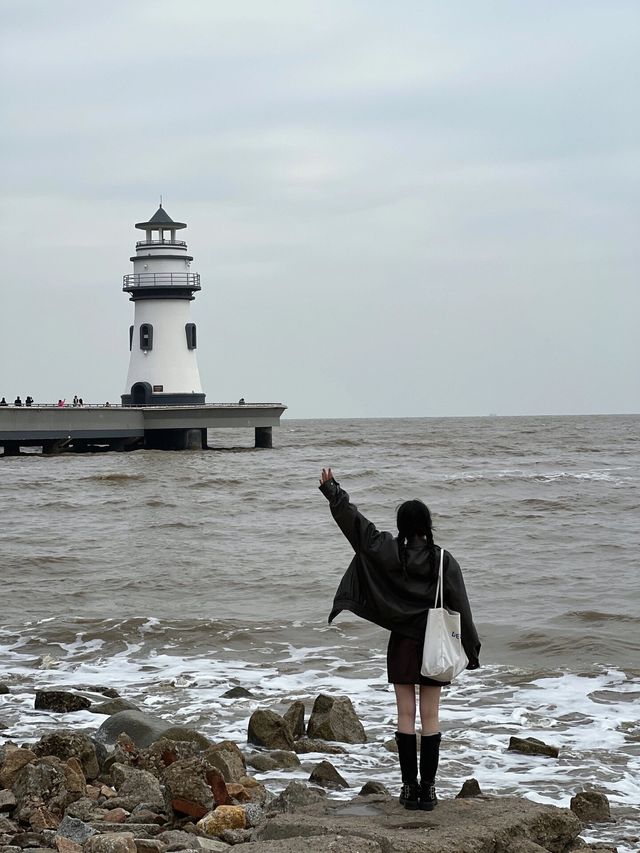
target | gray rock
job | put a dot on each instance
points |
(75, 830)
(370, 788)
(470, 788)
(237, 693)
(266, 728)
(193, 787)
(12, 760)
(591, 806)
(150, 845)
(229, 760)
(134, 787)
(113, 706)
(532, 746)
(254, 814)
(296, 796)
(85, 810)
(67, 744)
(481, 825)
(176, 839)
(333, 718)
(111, 842)
(7, 801)
(294, 716)
(306, 745)
(279, 759)
(60, 701)
(42, 783)
(4, 689)
(235, 836)
(184, 733)
(326, 775)
(142, 728)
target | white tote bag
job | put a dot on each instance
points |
(442, 656)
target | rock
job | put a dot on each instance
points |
(235, 836)
(141, 727)
(223, 817)
(43, 783)
(326, 775)
(194, 788)
(373, 788)
(75, 830)
(478, 825)
(41, 819)
(60, 701)
(141, 814)
(4, 689)
(237, 693)
(76, 783)
(65, 845)
(85, 810)
(470, 788)
(150, 845)
(113, 706)
(117, 815)
(134, 787)
(14, 760)
(69, 744)
(294, 717)
(238, 792)
(109, 692)
(591, 806)
(391, 745)
(256, 790)
(163, 752)
(253, 814)
(333, 718)
(184, 733)
(111, 842)
(266, 728)
(280, 759)
(306, 745)
(296, 796)
(176, 839)
(532, 746)
(7, 801)
(229, 760)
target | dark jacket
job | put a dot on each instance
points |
(376, 588)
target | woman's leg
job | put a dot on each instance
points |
(406, 702)
(429, 745)
(429, 709)
(407, 744)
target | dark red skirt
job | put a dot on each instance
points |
(404, 659)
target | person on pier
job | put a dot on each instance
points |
(3, 402)
(391, 582)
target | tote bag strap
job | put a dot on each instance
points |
(440, 586)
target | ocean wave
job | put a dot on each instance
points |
(115, 477)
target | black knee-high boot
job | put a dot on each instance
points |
(429, 756)
(407, 753)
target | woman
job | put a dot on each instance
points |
(391, 581)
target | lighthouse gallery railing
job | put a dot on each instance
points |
(161, 279)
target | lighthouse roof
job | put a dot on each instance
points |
(160, 219)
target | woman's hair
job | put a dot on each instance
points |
(413, 519)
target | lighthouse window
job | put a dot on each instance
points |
(146, 336)
(190, 329)
(130, 338)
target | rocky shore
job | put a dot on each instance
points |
(140, 785)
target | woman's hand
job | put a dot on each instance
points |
(326, 475)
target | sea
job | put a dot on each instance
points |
(175, 576)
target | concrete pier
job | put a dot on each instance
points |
(101, 428)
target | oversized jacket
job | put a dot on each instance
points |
(376, 587)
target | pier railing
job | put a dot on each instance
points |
(161, 279)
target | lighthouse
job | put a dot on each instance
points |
(163, 368)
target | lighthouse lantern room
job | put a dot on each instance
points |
(163, 369)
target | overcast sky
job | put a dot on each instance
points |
(396, 208)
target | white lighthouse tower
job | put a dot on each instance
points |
(163, 369)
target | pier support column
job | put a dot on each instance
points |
(11, 448)
(53, 446)
(264, 437)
